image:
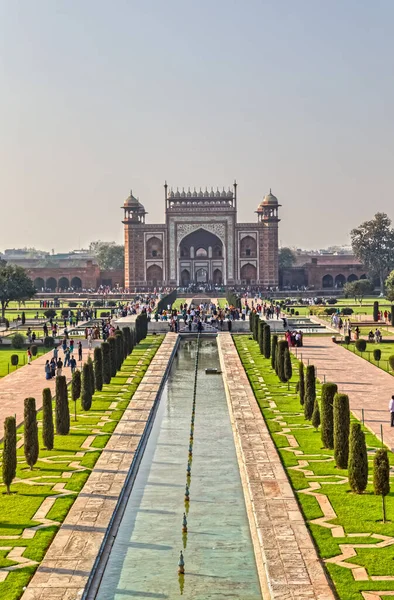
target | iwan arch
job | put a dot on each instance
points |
(201, 241)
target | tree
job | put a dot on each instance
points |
(9, 452)
(86, 396)
(310, 392)
(109, 255)
(106, 362)
(251, 317)
(76, 385)
(328, 392)
(286, 258)
(375, 310)
(280, 361)
(358, 459)
(256, 322)
(267, 341)
(260, 335)
(274, 350)
(23, 318)
(381, 476)
(127, 341)
(112, 354)
(358, 289)
(373, 245)
(47, 419)
(62, 411)
(98, 368)
(14, 285)
(316, 415)
(341, 430)
(119, 349)
(30, 444)
(287, 365)
(390, 287)
(92, 387)
(301, 383)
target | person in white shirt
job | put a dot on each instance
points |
(391, 409)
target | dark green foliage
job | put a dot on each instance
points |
(62, 412)
(251, 317)
(17, 341)
(76, 385)
(30, 443)
(98, 368)
(50, 313)
(119, 349)
(267, 341)
(377, 354)
(9, 452)
(106, 362)
(49, 342)
(287, 365)
(14, 360)
(375, 310)
(126, 341)
(310, 392)
(341, 430)
(112, 355)
(361, 345)
(358, 459)
(392, 314)
(91, 375)
(133, 339)
(301, 383)
(23, 318)
(260, 335)
(328, 392)
(280, 360)
(86, 396)
(381, 476)
(141, 326)
(391, 362)
(256, 322)
(316, 415)
(273, 351)
(47, 419)
(34, 350)
(347, 340)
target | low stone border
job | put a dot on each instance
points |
(68, 563)
(286, 558)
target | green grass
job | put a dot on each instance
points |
(18, 509)
(5, 358)
(356, 513)
(387, 350)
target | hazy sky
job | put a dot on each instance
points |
(97, 97)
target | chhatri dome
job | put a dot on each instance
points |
(268, 200)
(133, 203)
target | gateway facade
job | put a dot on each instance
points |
(201, 241)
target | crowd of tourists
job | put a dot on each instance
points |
(54, 366)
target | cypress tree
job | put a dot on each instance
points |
(392, 315)
(133, 339)
(98, 368)
(282, 345)
(358, 459)
(260, 335)
(316, 415)
(267, 341)
(256, 327)
(273, 351)
(127, 341)
(328, 392)
(62, 412)
(9, 452)
(341, 430)
(91, 375)
(86, 396)
(30, 444)
(112, 355)
(310, 392)
(301, 383)
(106, 362)
(47, 419)
(381, 476)
(287, 364)
(137, 330)
(76, 385)
(251, 317)
(375, 310)
(119, 349)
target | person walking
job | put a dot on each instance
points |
(59, 367)
(73, 364)
(29, 356)
(80, 350)
(47, 369)
(391, 409)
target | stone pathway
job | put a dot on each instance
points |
(288, 564)
(368, 387)
(28, 381)
(65, 570)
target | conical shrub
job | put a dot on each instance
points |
(106, 362)
(30, 444)
(282, 346)
(9, 452)
(341, 430)
(310, 392)
(358, 459)
(301, 383)
(267, 341)
(112, 354)
(287, 364)
(48, 430)
(98, 368)
(274, 350)
(86, 395)
(327, 414)
(92, 387)
(381, 477)
(76, 385)
(62, 412)
(316, 415)
(260, 336)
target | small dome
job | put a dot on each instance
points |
(183, 193)
(224, 193)
(177, 194)
(229, 193)
(195, 195)
(133, 202)
(212, 194)
(270, 199)
(217, 193)
(206, 193)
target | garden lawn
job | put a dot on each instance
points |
(357, 514)
(5, 358)
(176, 305)
(387, 350)
(69, 463)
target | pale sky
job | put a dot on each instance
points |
(97, 97)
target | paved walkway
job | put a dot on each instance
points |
(64, 572)
(28, 381)
(286, 558)
(368, 387)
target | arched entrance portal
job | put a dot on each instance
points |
(201, 259)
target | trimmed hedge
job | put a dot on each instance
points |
(98, 368)
(105, 348)
(30, 443)
(358, 459)
(274, 350)
(301, 383)
(267, 341)
(62, 412)
(341, 430)
(328, 392)
(280, 359)
(361, 345)
(9, 452)
(310, 392)
(48, 432)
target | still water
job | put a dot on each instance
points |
(218, 551)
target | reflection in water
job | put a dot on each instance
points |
(218, 553)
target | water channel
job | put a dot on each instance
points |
(218, 551)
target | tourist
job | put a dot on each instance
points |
(47, 369)
(52, 365)
(391, 409)
(29, 356)
(90, 340)
(67, 358)
(59, 367)
(80, 350)
(73, 364)
(55, 352)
